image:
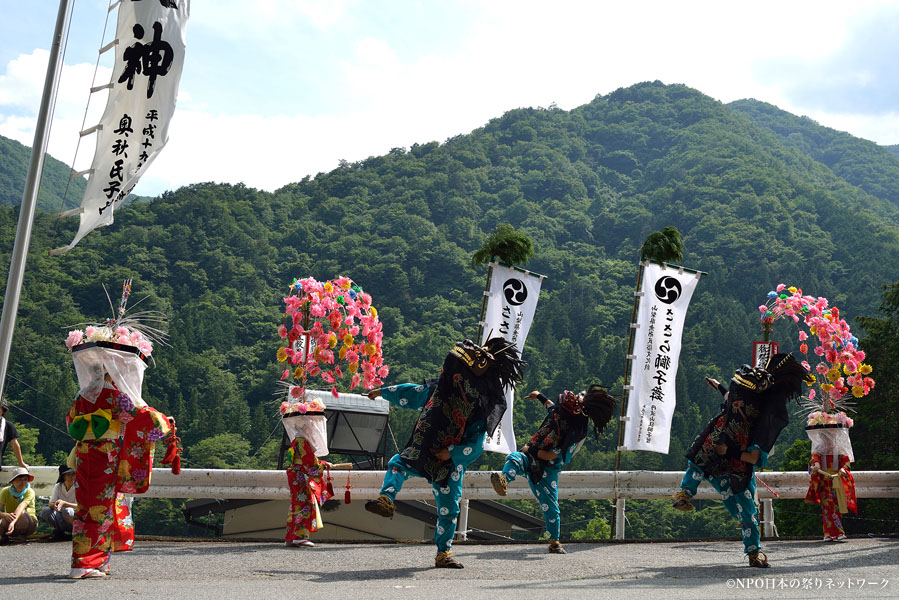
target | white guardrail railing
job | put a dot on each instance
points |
(573, 485)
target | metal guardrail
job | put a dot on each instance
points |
(573, 485)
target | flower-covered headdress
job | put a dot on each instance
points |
(331, 331)
(119, 347)
(840, 374)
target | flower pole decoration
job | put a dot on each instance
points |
(331, 331)
(840, 374)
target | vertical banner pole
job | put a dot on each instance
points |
(484, 300)
(462, 531)
(637, 288)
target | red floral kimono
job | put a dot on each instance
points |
(308, 491)
(835, 495)
(114, 455)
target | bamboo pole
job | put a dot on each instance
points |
(626, 381)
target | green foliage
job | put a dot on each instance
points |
(28, 442)
(222, 451)
(510, 246)
(875, 431)
(755, 207)
(665, 246)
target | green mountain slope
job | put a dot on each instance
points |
(14, 159)
(586, 185)
(862, 163)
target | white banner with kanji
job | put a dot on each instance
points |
(149, 51)
(511, 303)
(657, 345)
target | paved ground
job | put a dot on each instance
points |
(858, 568)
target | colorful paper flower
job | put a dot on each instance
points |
(838, 366)
(340, 325)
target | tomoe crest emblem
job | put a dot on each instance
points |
(515, 292)
(667, 289)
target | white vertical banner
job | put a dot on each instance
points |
(511, 302)
(657, 345)
(149, 47)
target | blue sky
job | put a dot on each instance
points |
(274, 90)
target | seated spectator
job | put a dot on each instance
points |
(17, 519)
(9, 436)
(60, 512)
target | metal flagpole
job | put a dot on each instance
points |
(29, 198)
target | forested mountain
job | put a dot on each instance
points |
(862, 163)
(759, 198)
(14, 159)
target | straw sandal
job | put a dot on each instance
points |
(498, 480)
(382, 506)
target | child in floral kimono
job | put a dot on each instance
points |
(116, 432)
(557, 440)
(308, 492)
(831, 482)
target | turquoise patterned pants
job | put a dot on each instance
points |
(741, 506)
(447, 497)
(546, 490)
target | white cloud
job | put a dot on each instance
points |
(508, 54)
(21, 88)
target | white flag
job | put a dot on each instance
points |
(657, 346)
(512, 299)
(149, 51)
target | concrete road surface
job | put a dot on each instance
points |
(857, 568)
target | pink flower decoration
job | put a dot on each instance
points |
(334, 391)
(780, 287)
(763, 308)
(75, 337)
(802, 336)
(282, 331)
(286, 374)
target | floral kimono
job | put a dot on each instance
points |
(308, 491)
(836, 495)
(113, 454)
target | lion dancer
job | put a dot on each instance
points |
(738, 441)
(456, 416)
(556, 441)
(116, 432)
